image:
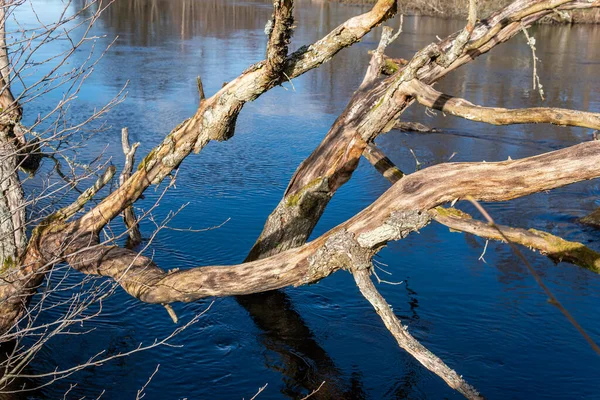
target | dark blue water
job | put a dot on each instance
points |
(489, 321)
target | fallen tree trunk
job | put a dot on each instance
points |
(351, 245)
(399, 211)
(214, 120)
(373, 109)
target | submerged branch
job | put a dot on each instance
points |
(592, 219)
(554, 247)
(547, 244)
(382, 163)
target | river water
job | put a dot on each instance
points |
(488, 320)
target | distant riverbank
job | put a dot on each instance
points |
(458, 8)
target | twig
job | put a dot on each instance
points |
(87, 195)
(140, 393)
(536, 77)
(259, 391)
(171, 313)
(484, 250)
(314, 391)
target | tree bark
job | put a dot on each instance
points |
(129, 218)
(12, 199)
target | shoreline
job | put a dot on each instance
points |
(456, 9)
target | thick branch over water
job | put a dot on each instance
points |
(399, 211)
(429, 97)
(550, 245)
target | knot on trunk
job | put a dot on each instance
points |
(399, 225)
(341, 251)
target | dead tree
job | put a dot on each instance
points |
(281, 257)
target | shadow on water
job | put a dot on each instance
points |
(305, 363)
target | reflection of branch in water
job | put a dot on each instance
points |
(413, 303)
(305, 363)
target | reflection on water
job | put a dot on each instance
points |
(489, 321)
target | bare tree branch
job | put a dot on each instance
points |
(406, 341)
(395, 214)
(429, 97)
(67, 212)
(554, 247)
(215, 118)
(547, 244)
(135, 237)
(382, 163)
(279, 30)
